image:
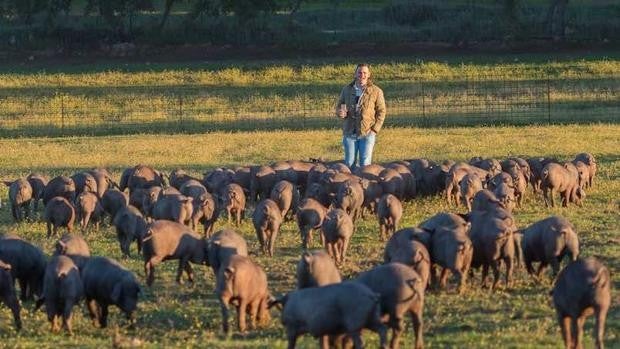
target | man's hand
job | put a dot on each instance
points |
(342, 111)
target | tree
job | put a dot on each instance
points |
(116, 12)
(205, 7)
(23, 9)
(555, 21)
(167, 8)
(511, 15)
(295, 5)
(54, 9)
(168, 4)
(244, 10)
(249, 9)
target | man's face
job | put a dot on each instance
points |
(362, 74)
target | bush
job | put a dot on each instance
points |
(409, 13)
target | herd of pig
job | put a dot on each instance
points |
(161, 214)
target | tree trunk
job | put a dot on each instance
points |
(167, 9)
(511, 15)
(296, 6)
(555, 20)
(561, 19)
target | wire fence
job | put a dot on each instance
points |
(473, 100)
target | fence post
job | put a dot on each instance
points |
(548, 100)
(62, 113)
(305, 111)
(423, 101)
(181, 112)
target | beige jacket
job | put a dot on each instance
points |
(371, 114)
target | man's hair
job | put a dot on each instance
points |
(361, 65)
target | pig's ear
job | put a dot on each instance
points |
(116, 292)
(424, 229)
(61, 247)
(364, 183)
(418, 257)
(229, 272)
(465, 216)
(277, 302)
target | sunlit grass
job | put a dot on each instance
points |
(274, 74)
(183, 316)
(240, 95)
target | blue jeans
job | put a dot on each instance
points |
(362, 145)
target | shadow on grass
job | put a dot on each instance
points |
(490, 83)
(193, 126)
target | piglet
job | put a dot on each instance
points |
(344, 308)
(267, 219)
(389, 212)
(59, 213)
(316, 269)
(166, 240)
(62, 290)
(582, 288)
(7, 293)
(337, 230)
(106, 283)
(242, 282)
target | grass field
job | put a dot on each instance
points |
(300, 94)
(184, 316)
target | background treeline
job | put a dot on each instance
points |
(93, 24)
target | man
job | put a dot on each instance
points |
(362, 107)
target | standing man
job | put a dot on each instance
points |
(362, 107)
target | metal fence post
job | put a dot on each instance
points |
(180, 112)
(62, 113)
(304, 116)
(548, 100)
(423, 101)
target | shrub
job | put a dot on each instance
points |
(409, 13)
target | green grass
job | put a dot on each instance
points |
(297, 94)
(183, 316)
